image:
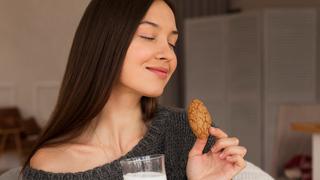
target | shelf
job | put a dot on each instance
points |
(307, 127)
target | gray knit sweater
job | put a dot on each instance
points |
(169, 134)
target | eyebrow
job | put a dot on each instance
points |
(175, 32)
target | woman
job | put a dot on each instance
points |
(121, 59)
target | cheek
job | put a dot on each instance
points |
(138, 53)
(134, 66)
(174, 64)
(135, 62)
(135, 75)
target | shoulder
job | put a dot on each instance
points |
(60, 159)
(43, 158)
(49, 159)
(178, 128)
(176, 119)
(175, 113)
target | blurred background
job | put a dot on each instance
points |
(254, 63)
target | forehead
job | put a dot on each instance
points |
(161, 14)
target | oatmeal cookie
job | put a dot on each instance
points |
(199, 119)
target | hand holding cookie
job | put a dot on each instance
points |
(226, 157)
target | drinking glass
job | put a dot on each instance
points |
(144, 167)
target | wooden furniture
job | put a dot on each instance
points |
(16, 131)
(10, 126)
(6, 133)
(314, 129)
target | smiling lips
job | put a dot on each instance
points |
(159, 71)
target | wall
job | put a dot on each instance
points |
(259, 4)
(35, 39)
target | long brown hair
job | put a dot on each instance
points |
(95, 61)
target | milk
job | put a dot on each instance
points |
(145, 176)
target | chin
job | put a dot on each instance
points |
(153, 93)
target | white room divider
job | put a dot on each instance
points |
(245, 66)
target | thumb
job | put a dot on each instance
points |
(198, 147)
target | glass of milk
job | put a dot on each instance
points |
(145, 167)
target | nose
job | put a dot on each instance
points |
(165, 52)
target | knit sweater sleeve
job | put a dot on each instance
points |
(179, 141)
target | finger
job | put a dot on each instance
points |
(233, 150)
(237, 160)
(198, 147)
(224, 143)
(218, 133)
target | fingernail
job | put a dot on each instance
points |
(221, 155)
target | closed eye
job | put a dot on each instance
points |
(172, 45)
(148, 38)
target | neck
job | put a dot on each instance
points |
(120, 124)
